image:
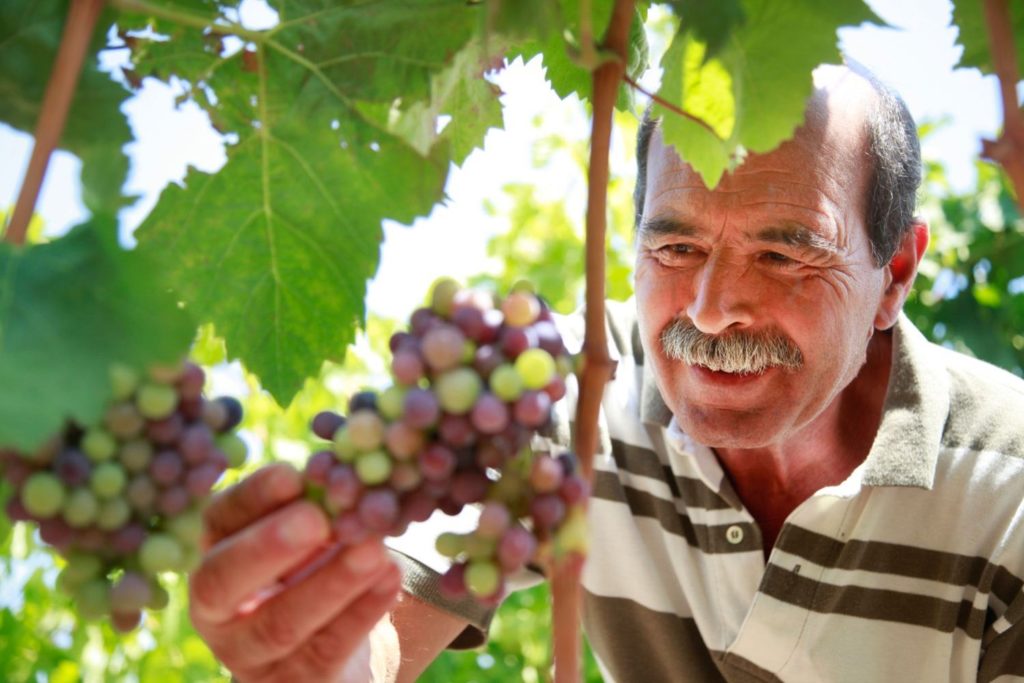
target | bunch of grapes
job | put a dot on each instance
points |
(121, 500)
(474, 383)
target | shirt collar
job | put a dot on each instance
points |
(906, 448)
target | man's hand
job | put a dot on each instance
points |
(272, 600)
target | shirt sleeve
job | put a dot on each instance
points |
(1003, 658)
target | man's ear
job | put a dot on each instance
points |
(900, 274)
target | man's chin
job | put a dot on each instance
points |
(720, 428)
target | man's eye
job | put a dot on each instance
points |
(778, 259)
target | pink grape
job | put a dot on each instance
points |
(520, 309)
(343, 488)
(404, 477)
(547, 511)
(318, 466)
(422, 320)
(421, 408)
(469, 320)
(533, 409)
(486, 360)
(456, 430)
(190, 384)
(442, 347)
(494, 520)
(437, 463)
(195, 444)
(490, 414)
(407, 367)
(199, 481)
(128, 538)
(378, 510)
(548, 338)
(173, 501)
(469, 487)
(545, 475)
(166, 431)
(515, 340)
(403, 441)
(453, 582)
(574, 490)
(166, 468)
(418, 505)
(515, 548)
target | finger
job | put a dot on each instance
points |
(253, 559)
(255, 496)
(327, 651)
(282, 624)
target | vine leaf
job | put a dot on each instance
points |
(563, 73)
(752, 92)
(712, 23)
(96, 130)
(276, 248)
(969, 17)
(107, 301)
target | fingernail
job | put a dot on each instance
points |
(302, 528)
(363, 559)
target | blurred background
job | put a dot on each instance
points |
(514, 210)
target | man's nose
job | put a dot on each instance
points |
(721, 298)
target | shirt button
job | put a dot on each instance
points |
(734, 534)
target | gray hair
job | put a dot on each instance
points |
(895, 153)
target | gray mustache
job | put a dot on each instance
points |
(734, 352)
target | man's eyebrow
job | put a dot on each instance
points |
(654, 227)
(793, 235)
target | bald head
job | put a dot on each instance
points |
(845, 98)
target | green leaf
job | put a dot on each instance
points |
(96, 130)
(751, 95)
(68, 310)
(565, 75)
(461, 93)
(969, 18)
(275, 249)
(712, 23)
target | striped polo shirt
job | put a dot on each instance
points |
(910, 570)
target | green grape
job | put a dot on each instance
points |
(572, 535)
(80, 508)
(123, 381)
(161, 553)
(93, 599)
(167, 374)
(482, 578)
(107, 480)
(506, 383)
(536, 367)
(390, 402)
(373, 468)
(42, 495)
(113, 514)
(99, 445)
(365, 430)
(457, 390)
(478, 547)
(156, 401)
(450, 544)
(343, 446)
(442, 295)
(159, 597)
(187, 527)
(135, 455)
(234, 447)
(469, 351)
(79, 569)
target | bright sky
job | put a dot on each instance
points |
(916, 57)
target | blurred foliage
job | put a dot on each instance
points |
(969, 294)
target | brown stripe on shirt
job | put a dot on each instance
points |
(644, 462)
(901, 560)
(709, 538)
(873, 603)
(660, 647)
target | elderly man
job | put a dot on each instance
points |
(796, 485)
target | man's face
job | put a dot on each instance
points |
(779, 249)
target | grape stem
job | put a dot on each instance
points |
(598, 367)
(1008, 149)
(60, 91)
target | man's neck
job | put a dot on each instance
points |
(773, 481)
